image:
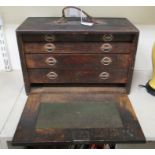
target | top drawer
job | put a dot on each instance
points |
(106, 37)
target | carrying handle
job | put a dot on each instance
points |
(63, 18)
(74, 7)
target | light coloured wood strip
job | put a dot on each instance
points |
(77, 89)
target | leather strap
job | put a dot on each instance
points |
(63, 19)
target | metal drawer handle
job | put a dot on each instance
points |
(104, 75)
(52, 75)
(49, 38)
(107, 37)
(51, 61)
(106, 61)
(49, 47)
(106, 47)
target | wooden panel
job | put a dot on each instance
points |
(71, 25)
(77, 76)
(83, 89)
(78, 61)
(73, 37)
(28, 119)
(129, 130)
(23, 63)
(79, 47)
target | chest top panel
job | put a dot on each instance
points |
(50, 24)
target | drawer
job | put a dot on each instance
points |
(78, 61)
(106, 37)
(77, 76)
(78, 47)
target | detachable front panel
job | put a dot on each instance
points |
(78, 117)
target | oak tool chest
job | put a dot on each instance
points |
(77, 79)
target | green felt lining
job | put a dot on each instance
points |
(78, 115)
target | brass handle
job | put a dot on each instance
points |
(51, 61)
(106, 61)
(104, 75)
(107, 37)
(106, 47)
(49, 47)
(49, 38)
(52, 75)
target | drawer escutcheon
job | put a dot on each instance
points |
(51, 61)
(104, 75)
(52, 75)
(107, 37)
(106, 47)
(49, 47)
(49, 38)
(106, 61)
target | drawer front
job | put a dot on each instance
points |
(78, 47)
(78, 61)
(106, 37)
(77, 76)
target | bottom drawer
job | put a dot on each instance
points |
(76, 76)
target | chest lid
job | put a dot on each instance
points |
(77, 116)
(50, 24)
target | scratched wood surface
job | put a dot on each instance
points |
(77, 47)
(77, 76)
(35, 34)
(78, 51)
(46, 24)
(127, 130)
(78, 61)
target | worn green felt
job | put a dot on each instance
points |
(78, 115)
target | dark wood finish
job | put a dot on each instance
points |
(78, 61)
(35, 35)
(132, 63)
(68, 62)
(78, 47)
(129, 131)
(44, 25)
(126, 37)
(77, 76)
(23, 63)
(30, 111)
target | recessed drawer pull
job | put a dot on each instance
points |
(49, 47)
(106, 61)
(104, 75)
(49, 38)
(51, 61)
(52, 75)
(106, 47)
(107, 37)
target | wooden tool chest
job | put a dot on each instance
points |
(77, 79)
